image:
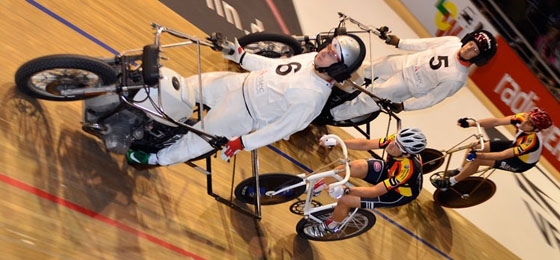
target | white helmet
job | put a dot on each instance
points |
(412, 140)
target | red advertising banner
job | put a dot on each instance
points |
(513, 88)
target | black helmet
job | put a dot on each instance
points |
(351, 50)
(486, 44)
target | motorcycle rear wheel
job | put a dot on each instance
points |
(45, 77)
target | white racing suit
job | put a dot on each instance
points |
(277, 98)
(419, 79)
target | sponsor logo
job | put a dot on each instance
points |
(228, 12)
(452, 21)
(512, 95)
(377, 166)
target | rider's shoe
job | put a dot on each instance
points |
(319, 187)
(441, 183)
(137, 157)
(319, 230)
(451, 173)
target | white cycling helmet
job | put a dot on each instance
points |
(411, 140)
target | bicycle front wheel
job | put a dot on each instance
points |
(362, 221)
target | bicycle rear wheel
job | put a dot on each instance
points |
(360, 223)
(245, 191)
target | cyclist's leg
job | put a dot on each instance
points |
(388, 200)
(513, 164)
(469, 168)
(375, 171)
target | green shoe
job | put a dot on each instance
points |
(134, 157)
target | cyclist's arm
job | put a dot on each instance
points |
(435, 96)
(362, 144)
(424, 43)
(496, 156)
(493, 122)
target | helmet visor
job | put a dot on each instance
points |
(333, 51)
(336, 49)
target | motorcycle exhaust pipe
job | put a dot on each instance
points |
(96, 90)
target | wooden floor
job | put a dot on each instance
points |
(64, 197)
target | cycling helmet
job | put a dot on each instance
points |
(540, 118)
(486, 44)
(411, 140)
(351, 50)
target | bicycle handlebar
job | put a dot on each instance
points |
(380, 32)
(346, 162)
(480, 135)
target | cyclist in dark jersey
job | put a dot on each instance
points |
(396, 181)
(517, 155)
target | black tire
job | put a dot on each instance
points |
(466, 193)
(245, 190)
(46, 76)
(270, 45)
(362, 221)
(432, 159)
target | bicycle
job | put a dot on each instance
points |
(469, 192)
(278, 188)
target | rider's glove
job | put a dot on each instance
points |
(396, 107)
(392, 40)
(383, 30)
(336, 192)
(471, 156)
(463, 122)
(233, 51)
(232, 148)
(327, 142)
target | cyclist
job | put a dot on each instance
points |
(435, 69)
(277, 98)
(396, 181)
(517, 155)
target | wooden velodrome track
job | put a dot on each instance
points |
(64, 197)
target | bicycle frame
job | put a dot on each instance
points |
(472, 190)
(447, 154)
(312, 178)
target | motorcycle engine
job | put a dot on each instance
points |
(121, 127)
(116, 127)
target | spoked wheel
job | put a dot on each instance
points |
(245, 191)
(466, 193)
(270, 44)
(46, 77)
(431, 160)
(360, 223)
(298, 206)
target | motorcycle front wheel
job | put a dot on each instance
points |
(270, 45)
(45, 77)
